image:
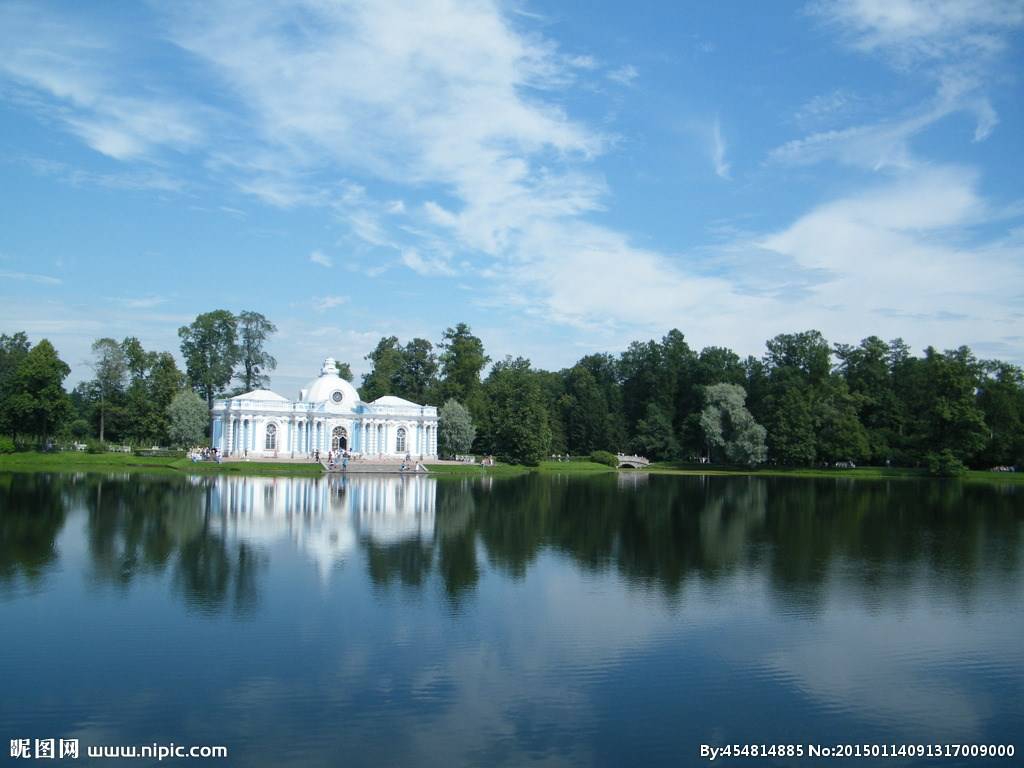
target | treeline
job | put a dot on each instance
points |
(804, 402)
(136, 396)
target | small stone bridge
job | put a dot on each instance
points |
(632, 462)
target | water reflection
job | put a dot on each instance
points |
(613, 619)
(216, 533)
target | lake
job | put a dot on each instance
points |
(600, 620)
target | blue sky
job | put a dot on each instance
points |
(564, 177)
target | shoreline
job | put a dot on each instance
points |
(114, 462)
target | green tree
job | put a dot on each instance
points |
(455, 430)
(416, 378)
(187, 419)
(111, 367)
(516, 427)
(13, 351)
(253, 331)
(585, 413)
(210, 351)
(344, 370)
(38, 401)
(791, 427)
(462, 360)
(728, 425)
(655, 437)
(1001, 399)
(387, 362)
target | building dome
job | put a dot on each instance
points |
(330, 388)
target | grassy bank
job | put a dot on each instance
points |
(861, 473)
(546, 467)
(126, 462)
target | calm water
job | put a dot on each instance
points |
(535, 620)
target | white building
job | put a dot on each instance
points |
(327, 416)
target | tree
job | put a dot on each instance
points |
(344, 370)
(253, 331)
(37, 398)
(187, 419)
(416, 376)
(516, 426)
(210, 351)
(462, 359)
(387, 362)
(654, 436)
(455, 430)
(13, 350)
(585, 411)
(111, 367)
(791, 427)
(729, 426)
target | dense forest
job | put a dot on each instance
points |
(804, 402)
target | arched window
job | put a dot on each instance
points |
(271, 442)
(400, 440)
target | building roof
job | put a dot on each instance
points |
(323, 387)
(392, 400)
(260, 394)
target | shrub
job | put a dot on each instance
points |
(945, 464)
(605, 457)
(95, 446)
(6, 445)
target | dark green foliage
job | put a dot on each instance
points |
(515, 428)
(655, 437)
(253, 331)
(945, 463)
(462, 360)
(6, 444)
(605, 457)
(409, 372)
(209, 346)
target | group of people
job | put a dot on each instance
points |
(336, 459)
(407, 465)
(200, 453)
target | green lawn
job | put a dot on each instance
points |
(861, 473)
(121, 462)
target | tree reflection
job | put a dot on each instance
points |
(655, 532)
(31, 516)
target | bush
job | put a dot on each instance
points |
(95, 446)
(605, 457)
(6, 445)
(945, 464)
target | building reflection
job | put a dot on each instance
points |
(326, 518)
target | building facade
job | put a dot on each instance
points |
(327, 416)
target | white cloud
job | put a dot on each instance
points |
(29, 277)
(900, 253)
(323, 303)
(718, 149)
(425, 266)
(319, 257)
(624, 75)
(910, 30)
(73, 66)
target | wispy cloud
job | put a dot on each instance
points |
(624, 75)
(319, 257)
(718, 149)
(73, 66)
(911, 30)
(29, 277)
(324, 303)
